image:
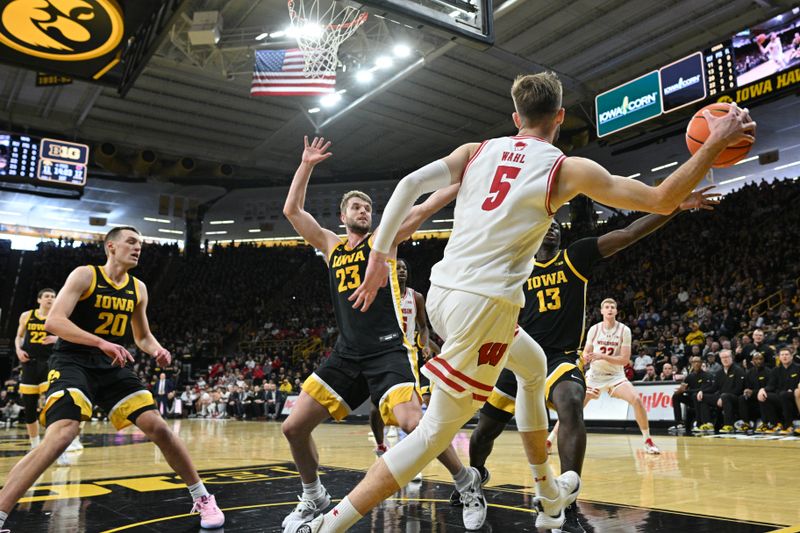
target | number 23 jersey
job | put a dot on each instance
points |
(377, 331)
(105, 310)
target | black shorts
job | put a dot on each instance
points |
(33, 379)
(561, 367)
(342, 384)
(74, 389)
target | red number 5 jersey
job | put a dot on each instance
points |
(501, 216)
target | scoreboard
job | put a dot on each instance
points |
(45, 161)
(755, 62)
(720, 74)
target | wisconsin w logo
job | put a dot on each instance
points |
(61, 30)
(491, 353)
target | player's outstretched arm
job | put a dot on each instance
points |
(422, 212)
(142, 335)
(294, 208)
(22, 355)
(614, 241)
(59, 324)
(583, 176)
(434, 176)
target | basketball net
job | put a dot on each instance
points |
(320, 31)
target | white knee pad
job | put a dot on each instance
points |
(440, 423)
(529, 363)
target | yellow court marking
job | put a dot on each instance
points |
(790, 529)
(279, 504)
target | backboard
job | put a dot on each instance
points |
(468, 21)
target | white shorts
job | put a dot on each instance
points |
(607, 382)
(478, 331)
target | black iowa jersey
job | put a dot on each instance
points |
(105, 310)
(555, 297)
(363, 334)
(33, 342)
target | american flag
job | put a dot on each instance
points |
(280, 73)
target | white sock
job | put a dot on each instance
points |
(462, 479)
(646, 433)
(3, 517)
(35, 441)
(545, 481)
(314, 489)
(341, 518)
(198, 490)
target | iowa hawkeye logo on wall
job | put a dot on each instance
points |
(61, 30)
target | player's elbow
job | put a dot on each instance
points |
(663, 205)
(290, 210)
(53, 325)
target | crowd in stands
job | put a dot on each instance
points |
(238, 317)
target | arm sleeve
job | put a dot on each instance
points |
(429, 178)
(583, 254)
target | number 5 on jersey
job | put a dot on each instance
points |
(501, 185)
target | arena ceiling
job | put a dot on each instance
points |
(194, 101)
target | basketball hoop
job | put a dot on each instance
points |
(319, 33)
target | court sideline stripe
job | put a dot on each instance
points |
(256, 506)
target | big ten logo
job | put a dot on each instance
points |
(656, 400)
(53, 375)
(64, 30)
(60, 151)
(491, 353)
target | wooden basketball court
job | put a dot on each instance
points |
(120, 482)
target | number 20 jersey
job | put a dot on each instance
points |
(501, 216)
(105, 310)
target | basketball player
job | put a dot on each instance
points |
(554, 314)
(371, 359)
(510, 189)
(34, 346)
(608, 350)
(773, 50)
(91, 316)
(412, 307)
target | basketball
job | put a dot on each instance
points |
(697, 132)
(760, 38)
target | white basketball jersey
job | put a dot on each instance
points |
(501, 216)
(608, 342)
(408, 307)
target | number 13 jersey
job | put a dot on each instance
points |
(501, 216)
(555, 297)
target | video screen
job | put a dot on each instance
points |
(5, 151)
(769, 47)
